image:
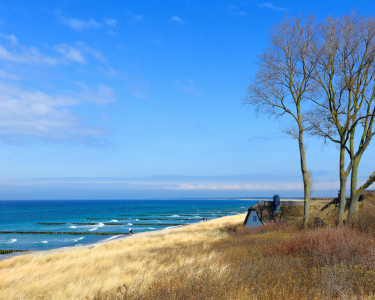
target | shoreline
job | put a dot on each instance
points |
(100, 243)
(84, 271)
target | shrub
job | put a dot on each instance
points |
(328, 246)
(364, 220)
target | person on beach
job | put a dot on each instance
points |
(130, 231)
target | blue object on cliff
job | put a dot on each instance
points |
(276, 203)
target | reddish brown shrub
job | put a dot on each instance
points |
(364, 220)
(328, 246)
(287, 227)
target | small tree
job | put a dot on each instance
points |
(283, 82)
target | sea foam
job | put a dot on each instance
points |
(11, 241)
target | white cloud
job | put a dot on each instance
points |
(102, 95)
(33, 113)
(23, 55)
(177, 19)
(270, 6)
(111, 22)
(11, 38)
(108, 71)
(80, 25)
(28, 56)
(285, 186)
(6, 75)
(95, 53)
(70, 53)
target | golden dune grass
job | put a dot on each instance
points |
(78, 273)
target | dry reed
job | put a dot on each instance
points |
(78, 273)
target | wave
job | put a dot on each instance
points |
(113, 221)
(110, 238)
(11, 241)
(72, 226)
(97, 226)
(44, 242)
(174, 226)
(175, 216)
(76, 240)
(129, 224)
(136, 219)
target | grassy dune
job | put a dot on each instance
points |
(219, 259)
(77, 273)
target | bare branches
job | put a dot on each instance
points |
(321, 74)
(282, 82)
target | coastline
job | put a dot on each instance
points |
(83, 271)
(104, 242)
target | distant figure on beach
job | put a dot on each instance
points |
(130, 231)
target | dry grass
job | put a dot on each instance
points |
(269, 262)
(76, 274)
(214, 260)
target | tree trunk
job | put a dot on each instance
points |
(343, 179)
(306, 180)
(354, 195)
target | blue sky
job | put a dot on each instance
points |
(143, 99)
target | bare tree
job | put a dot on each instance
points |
(283, 82)
(344, 93)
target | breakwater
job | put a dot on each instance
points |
(12, 251)
(64, 232)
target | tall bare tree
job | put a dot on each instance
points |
(283, 82)
(344, 93)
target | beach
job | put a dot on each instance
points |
(78, 272)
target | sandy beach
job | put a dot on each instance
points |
(77, 272)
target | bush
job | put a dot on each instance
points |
(364, 220)
(328, 246)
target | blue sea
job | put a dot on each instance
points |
(111, 216)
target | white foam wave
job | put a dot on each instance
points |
(11, 241)
(175, 216)
(136, 219)
(174, 227)
(110, 238)
(73, 226)
(80, 238)
(129, 224)
(150, 228)
(97, 226)
(44, 242)
(113, 221)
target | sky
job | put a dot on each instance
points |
(143, 100)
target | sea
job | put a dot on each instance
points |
(83, 222)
